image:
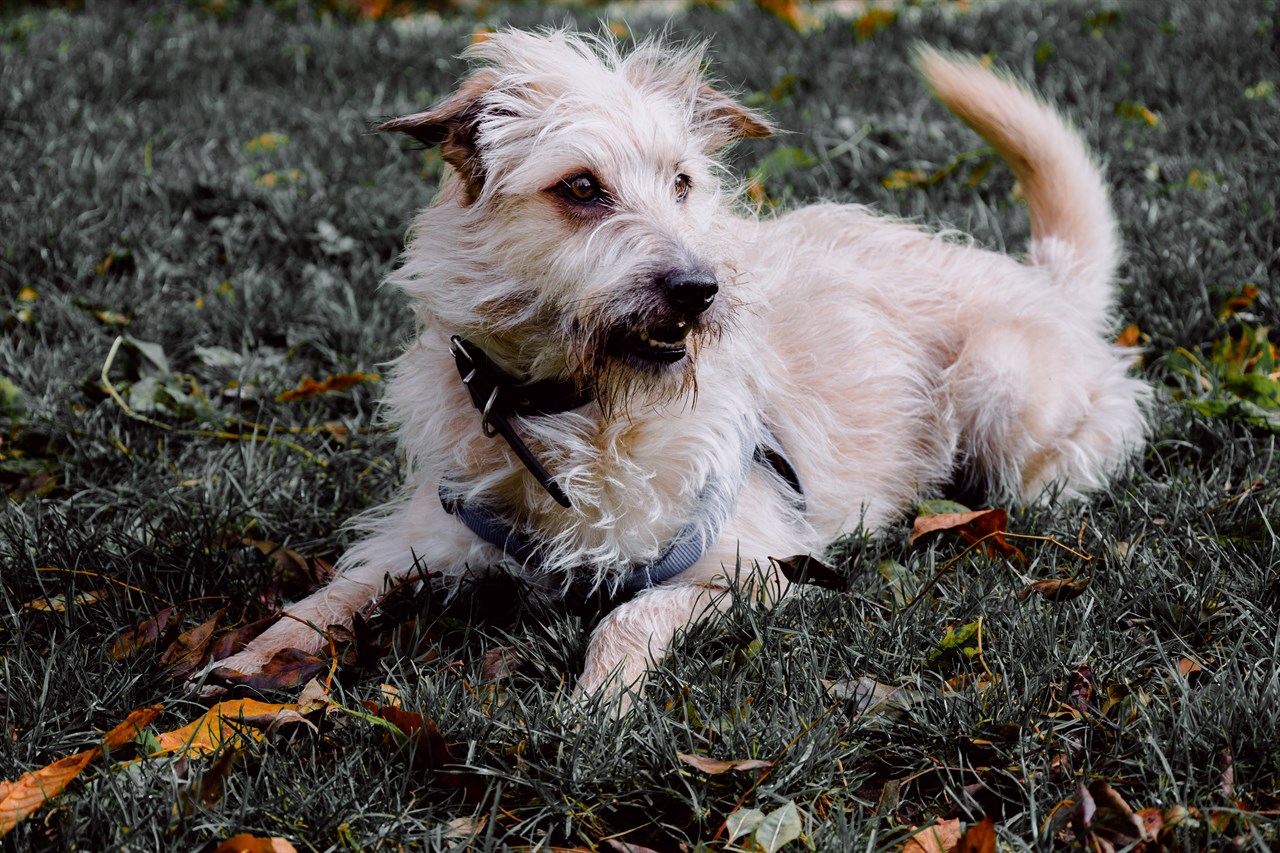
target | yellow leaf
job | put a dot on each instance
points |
(26, 295)
(904, 178)
(1130, 337)
(266, 142)
(227, 722)
(58, 603)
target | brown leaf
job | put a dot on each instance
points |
(146, 633)
(978, 838)
(1080, 689)
(189, 650)
(987, 526)
(942, 837)
(245, 843)
(872, 21)
(35, 485)
(230, 642)
(287, 669)
(334, 382)
(209, 789)
(714, 767)
(432, 752)
(1057, 589)
(805, 569)
(500, 663)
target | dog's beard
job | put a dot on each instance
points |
(609, 352)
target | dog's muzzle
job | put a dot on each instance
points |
(685, 296)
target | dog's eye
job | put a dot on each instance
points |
(683, 183)
(583, 188)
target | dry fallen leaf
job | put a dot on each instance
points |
(20, 798)
(227, 724)
(189, 650)
(287, 669)
(942, 837)
(714, 766)
(978, 838)
(333, 383)
(147, 633)
(987, 526)
(246, 843)
(1057, 589)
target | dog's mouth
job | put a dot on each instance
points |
(661, 344)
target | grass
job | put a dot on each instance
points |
(143, 199)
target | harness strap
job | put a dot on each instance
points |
(689, 545)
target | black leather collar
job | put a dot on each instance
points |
(499, 395)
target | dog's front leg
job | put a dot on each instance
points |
(634, 637)
(416, 536)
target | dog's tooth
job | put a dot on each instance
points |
(644, 337)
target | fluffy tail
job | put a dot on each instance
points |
(1073, 230)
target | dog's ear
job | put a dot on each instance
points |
(725, 120)
(451, 124)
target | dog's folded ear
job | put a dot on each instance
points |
(724, 120)
(451, 124)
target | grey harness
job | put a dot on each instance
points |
(498, 396)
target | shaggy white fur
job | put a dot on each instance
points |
(880, 355)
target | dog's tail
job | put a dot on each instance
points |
(1073, 230)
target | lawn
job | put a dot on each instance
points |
(194, 222)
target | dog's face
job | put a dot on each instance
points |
(588, 204)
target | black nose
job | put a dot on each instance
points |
(690, 291)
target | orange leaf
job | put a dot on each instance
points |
(32, 790)
(334, 382)
(794, 12)
(978, 838)
(245, 843)
(1130, 336)
(138, 719)
(942, 837)
(873, 21)
(904, 178)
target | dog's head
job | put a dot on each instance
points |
(583, 225)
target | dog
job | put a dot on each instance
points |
(622, 380)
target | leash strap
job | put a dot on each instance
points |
(498, 395)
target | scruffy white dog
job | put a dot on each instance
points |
(621, 380)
